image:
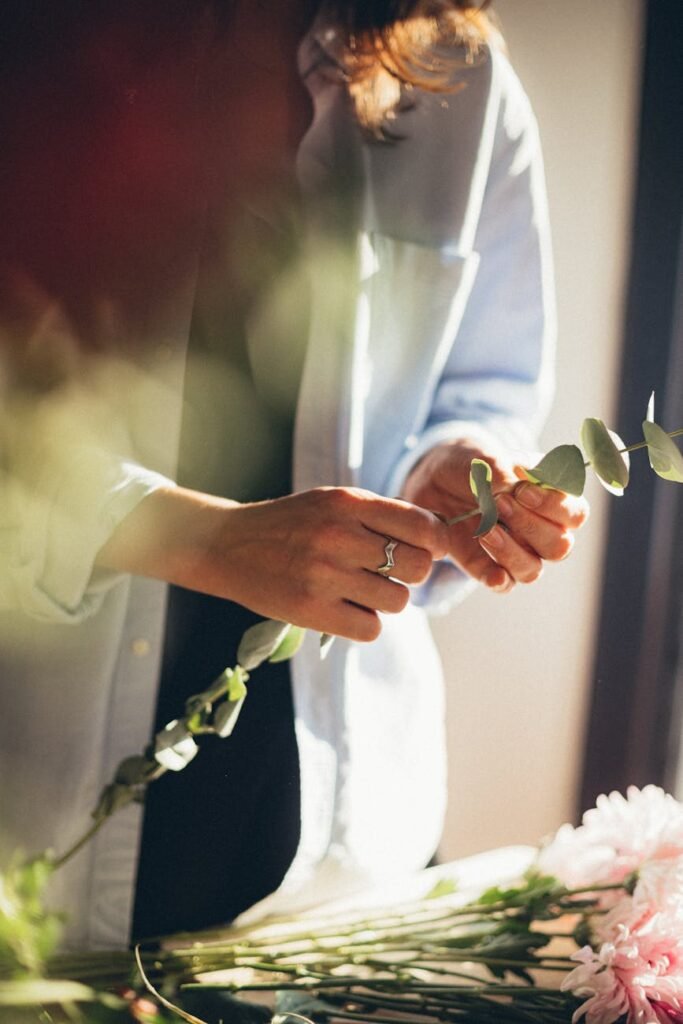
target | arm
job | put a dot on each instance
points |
(309, 559)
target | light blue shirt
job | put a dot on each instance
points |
(435, 323)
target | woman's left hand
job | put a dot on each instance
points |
(535, 524)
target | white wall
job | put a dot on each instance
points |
(519, 667)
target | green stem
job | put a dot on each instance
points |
(463, 517)
(73, 850)
(643, 444)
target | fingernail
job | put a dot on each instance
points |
(494, 538)
(505, 505)
(529, 495)
(499, 587)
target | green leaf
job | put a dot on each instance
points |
(134, 771)
(561, 469)
(174, 747)
(665, 456)
(604, 456)
(480, 485)
(289, 645)
(34, 991)
(113, 798)
(31, 877)
(226, 715)
(444, 887)
(260, 642)
(237, 689)
(217, 688)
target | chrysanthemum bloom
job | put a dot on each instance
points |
(616, 837)
(636, 968)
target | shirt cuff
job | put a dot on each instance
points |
(63, 523)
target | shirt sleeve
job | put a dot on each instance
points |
(55, 527)
(70, 471)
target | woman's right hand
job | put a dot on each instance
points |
(310, 558)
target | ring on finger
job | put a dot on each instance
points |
(389, 548)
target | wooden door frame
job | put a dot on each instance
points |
(633, 733)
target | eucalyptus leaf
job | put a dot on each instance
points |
(217, 688)
(289, 646)
(174, 747)
(34, 991)
(210, 1004)
(650, 414)
(480, 485)
(226, 715)
(562, 469)
(260, 642)
(604, 456)
(31, 877)
(665, 456)
(444, 887)
(290, 1005)
(112, 799)
(134, 771)
(237, 689)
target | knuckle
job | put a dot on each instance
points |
(562, 547)
(341, 499)
(307, 590)
(400, 597)
(532, 572)
(578, 517)
(369, 629)
(421, 568)
(526, 526)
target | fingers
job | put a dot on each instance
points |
(411, 564)
(521, 564)
(545, 537)
(316, 556)
(566, 510)
(476, 561)
(404, 522)
(352, 622)
(535, 526)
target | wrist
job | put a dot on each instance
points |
(172, 535)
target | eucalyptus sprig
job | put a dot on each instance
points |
(29, 932)
(214, 711)
(564, 468)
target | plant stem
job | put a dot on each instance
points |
(73, 850)
(463, 517)
(643, 444)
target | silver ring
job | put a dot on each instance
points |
(389, 549)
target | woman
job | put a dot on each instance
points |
(430, 325)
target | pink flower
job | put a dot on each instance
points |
(616, 837)
(660, 885)
(636, 968)
(666, 1013)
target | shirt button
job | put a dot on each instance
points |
(141, 647)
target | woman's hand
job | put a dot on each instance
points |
(310, 559)
(535, 524)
